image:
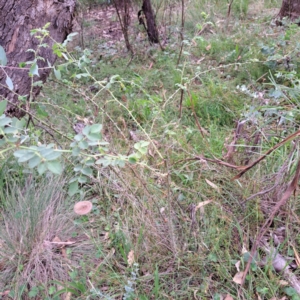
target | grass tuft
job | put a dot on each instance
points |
(36, 218)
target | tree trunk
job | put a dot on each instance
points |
(17, 18)
(290, 9)
(122, 8)
(151, 25)
(126, 23)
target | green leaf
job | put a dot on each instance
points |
(10, 130)
(52, 156)
(70, 36)
(104, 162)
(19, 124)
(12, 139)
(132, 159)
(83, 145)
(41, 111)
(137, 155)
(86, 130)
(87, 171)
(95, 128)
(114, 78)
(290, 291)
(57, 74)
(3, 105)
(54, 166)
(34, 69)
(28, 155)
(42, 168)
(22, 98)
(181, 86)
(9, 83)
(82, 179)
(120, 162)
(45, 151)
(90, 162)
(78, 286)
(38, 83)
(20, 153)
(56, 50)
(94, 136)
(64, 290)
(212, 257)
(73, 179)
(4, 120)
(33, 292)
(217, 297)
(77, 168)
(24, 138)
(78, 137)
(51, 290)
(104, 143)
(142, 146)
(75, 151)
(82, 75)
(65, 56)
(34, 161)
(3, 58)
(73, 188)
(93, 143)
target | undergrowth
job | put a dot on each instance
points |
(170, 222)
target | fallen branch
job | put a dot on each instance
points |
(248, 167)
(260, 193)
(229, 9)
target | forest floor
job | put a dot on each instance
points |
(198, 148)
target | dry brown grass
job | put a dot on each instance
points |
(36, 223)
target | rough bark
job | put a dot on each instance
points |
(17, 18)
(290, 9)
(150, 19)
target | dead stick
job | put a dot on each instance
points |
(229, 9)
(291, 189)
(180, 103)
(248, 167)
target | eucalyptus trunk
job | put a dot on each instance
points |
(17, 18)
(290, 9)
(150, 20)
